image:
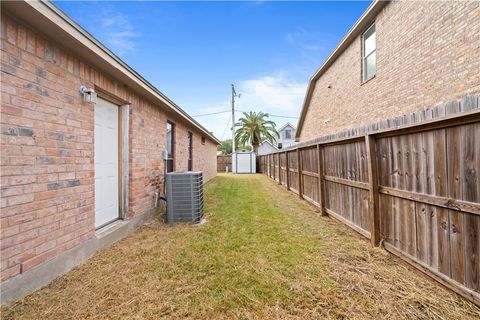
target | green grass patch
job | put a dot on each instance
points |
(262, 254)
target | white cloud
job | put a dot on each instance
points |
(293, 36)
(304, 40)
(107, 22)
(118, 32)
(274, 94)
(311, 47)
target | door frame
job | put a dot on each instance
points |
(123, 149)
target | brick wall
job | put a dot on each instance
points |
(47, 151)
(206, 164)
(427, 53)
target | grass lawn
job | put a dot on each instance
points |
(262, 254)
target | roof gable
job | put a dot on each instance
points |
(352, 34)
(285, 126)
(269, 143)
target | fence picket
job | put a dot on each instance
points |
(373, 199)
(299, 173)
(412, 183)
(321, 181)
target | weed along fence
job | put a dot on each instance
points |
(411, 184)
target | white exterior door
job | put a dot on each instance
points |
(106, 163)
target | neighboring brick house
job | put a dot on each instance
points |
(58, 152)
(399, 57)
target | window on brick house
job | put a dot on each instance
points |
(369, 46)
(190, 151)
(170, 146)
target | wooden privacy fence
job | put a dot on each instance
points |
(223, 161)
(411, 184)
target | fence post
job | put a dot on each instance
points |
(373, 199)
(268, 160)
(287, 169)
(269, 169)
(321, 183)
(299, 168)
(274, 169)
(279, 170)
(265, 164)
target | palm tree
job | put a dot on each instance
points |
(225, 147)
(254, 128)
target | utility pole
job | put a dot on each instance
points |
(234, 94)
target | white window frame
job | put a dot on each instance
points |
(365, 57)
(171, 152)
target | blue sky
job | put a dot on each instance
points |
(193, 51)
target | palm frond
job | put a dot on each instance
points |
(254, 128)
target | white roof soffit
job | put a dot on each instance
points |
(367, 17)
(46, 18)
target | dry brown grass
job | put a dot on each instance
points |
(263, 254)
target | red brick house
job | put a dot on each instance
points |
(398, 58)
(78, 175)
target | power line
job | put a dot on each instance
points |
(281, 86)
(273, 115)
(224, 130)
(277, 116)
(219, 112)
(209, 114)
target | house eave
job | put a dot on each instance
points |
(52, 22)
